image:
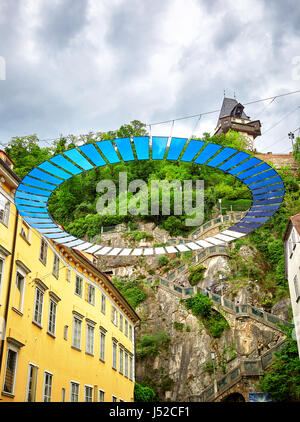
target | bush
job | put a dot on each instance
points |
(178, 326)
(163, 260)
(132, 291)
(196, 274)
(150, 345)
(143, 394)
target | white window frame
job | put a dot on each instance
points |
(131, 367)
(102, 345)
(103, 394)
(31, 365)
(39, 312)
(55, 267)
(296, 288)
(6, 210)
(103, 303)
(114, 316)
(68, 275)
(23, 274)
(126, 328)
(71, 384)
(121, 360)
(121, 322)
(114, 355)
(15, 350)
(75, 318)
(91, 297)
(126, 364)
(114, 398)
(81, 285)
(86, 386)
(90, 341)
(43, 250)
(2, 259)
(130, 332)
(52, 302)
(44, 386)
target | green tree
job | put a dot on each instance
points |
(143, 393)
(282, 379)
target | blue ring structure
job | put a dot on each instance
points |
(34, 191)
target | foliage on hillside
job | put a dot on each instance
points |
(282, 379)
(132, 289)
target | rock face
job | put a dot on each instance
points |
(281, 308)
(190, 347)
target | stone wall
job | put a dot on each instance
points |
(279, 160)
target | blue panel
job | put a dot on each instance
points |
(31, 209)
(61, 161)
(269, 195)
(125, 149)
(50, 168)
(57, 235)
(45, 177)
(253, 171)
(241, 229)
(108, 150)
(40, 226)
(268, 201)
(29, 189)
(266, 183)
(245, 166)
(176, 148)
(30, 196)
(261, 214)
(262, 176)
(237, 159)
(34, 182)
(159, 144)
(264, 208)
(39, 220)
(32, 214)
(49, 230)
(79, 159)
(141, 145)
(66, 239)
(222, 156)
(91, 152)
(28, 202)
(207, 153)
(192, 149)
(250, 225)
(256, 219)
(269, 188)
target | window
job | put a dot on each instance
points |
(68, 275)
(297, 288)
(19, 291)
(102, 345)
(130, 332)
(78, 285)
(63, 394)
(101, 395)
(114, 355)
(103, 303)
(38, 306)
(74, 392)
(10, 371)
(52, 317)
(126, 364)
(47, 387)
(66, 329)
(88, 393)
(114, 316)
(293, 239)
(91, 294)
(121, 322)
(126, 328)
(55, 270)
(114, 399)
(76, 340)
(90, 330)
(130, 368)
(1, 272)
(32, 381)
(121, 360)
(25, 231)
(43, 251)
(4, 209)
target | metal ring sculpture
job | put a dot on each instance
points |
(34, 191)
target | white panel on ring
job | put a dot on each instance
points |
(159, 251)
(137, 251)
(125, 252)
(171, 249)
(104, 250)
(114, 251)
(203, 243)
(233, 233)
(193, 246)
(182, 248)
(214, 241)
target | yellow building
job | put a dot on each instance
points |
(67, 334)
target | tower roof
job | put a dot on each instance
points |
(227, 108)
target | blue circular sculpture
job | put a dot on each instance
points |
(34, 191)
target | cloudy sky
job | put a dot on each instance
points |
(74, 66)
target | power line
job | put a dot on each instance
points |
(279, 121)
(279, 140)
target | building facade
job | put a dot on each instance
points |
(292, 269)
(67, 334)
